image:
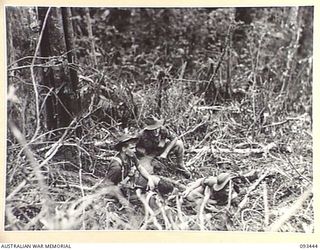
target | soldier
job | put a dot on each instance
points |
(155, 140)
(218, 186)
(124, 169)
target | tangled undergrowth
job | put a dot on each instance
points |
(54, 183)
(234, 83)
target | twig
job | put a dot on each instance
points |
(220, 59)
(173, 222)
(91, 38)
(119, 221)
(183, 68)
(200, 153)
(77, 209)
(33, 75)
(35, 219)
(54, 149)
(82, 193)
(276, 226)
(265, 202)
(163, 213)
(204, 139)
(153, 214)
(230, 194)
(148, 210)
(45, 65)
(12, 221)
(182, 80)
(34, 164)
(282, 122)
(80, 181)
(49, 132)
(202, 206)
(263, 149)
(58, 58)
(253, 187)
(51, 91)
(16, 190)
(193, 129)
(179, 211)
(81, 187)
(248, 210)
(308, 207)
(290, 163)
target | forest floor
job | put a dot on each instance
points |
(64, 193)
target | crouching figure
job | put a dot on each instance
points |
(155, 140)
(219, 188)
(124, 170)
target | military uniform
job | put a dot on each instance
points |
(154, 145)
(219, 188)
(124, 172)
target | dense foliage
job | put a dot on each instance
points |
(237, 80)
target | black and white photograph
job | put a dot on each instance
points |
(167, 118)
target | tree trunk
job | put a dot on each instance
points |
(305, 42)
(60, 104)
(48, 78)
(91, 38)
(242, 14)
(10, 47)
(69, 38)
(294, 23)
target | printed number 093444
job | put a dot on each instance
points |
(308, 245)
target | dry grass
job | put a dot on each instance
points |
(56, 186)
